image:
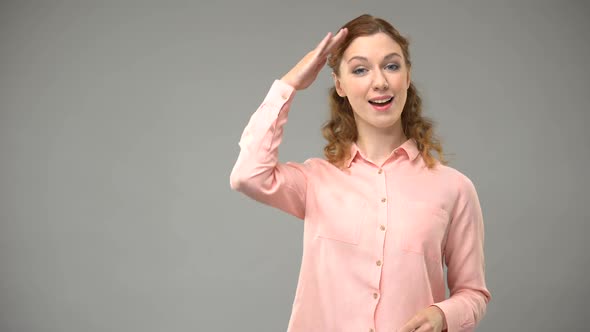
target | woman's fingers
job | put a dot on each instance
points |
(323, 44)
(337, 39)
(307, 69)
(329, 42)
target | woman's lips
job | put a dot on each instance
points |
(381, 106)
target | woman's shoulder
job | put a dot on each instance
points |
(316, 166)
(454, 177)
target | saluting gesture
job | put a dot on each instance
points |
(305, 71)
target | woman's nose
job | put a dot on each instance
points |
(380, 82)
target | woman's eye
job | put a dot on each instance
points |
(359, 71)
(392, 66)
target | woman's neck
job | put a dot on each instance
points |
(377, 145)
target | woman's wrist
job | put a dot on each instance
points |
(288, 81)
(443, 317)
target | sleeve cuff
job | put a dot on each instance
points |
(279, 93)
(455, 321)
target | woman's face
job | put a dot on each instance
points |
(375, 79)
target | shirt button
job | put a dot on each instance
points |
(378, 263)
(375, 295)
(371, 330)
(383, 199)
(382, 227)
(380, 171)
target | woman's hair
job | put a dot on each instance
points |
(340, 131)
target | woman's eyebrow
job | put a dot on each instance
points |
(391, 55)
(362, 58)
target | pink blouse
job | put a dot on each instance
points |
(375, 236)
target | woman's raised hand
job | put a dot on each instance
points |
(307, 69)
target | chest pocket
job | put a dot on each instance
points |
(423, 228)
(343, 220)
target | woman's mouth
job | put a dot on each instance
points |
(381, 104)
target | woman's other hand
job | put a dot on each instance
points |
(305, 72)
(431, 319)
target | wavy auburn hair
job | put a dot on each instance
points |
(340, 130)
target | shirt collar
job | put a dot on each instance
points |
(353, 151)
(409, 147)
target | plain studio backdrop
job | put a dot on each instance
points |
(120, 123)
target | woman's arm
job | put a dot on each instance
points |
(464, 257)
(257, 172)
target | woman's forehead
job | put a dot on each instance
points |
(372, 47)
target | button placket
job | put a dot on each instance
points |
(382, 220)
(379, 233)
(383, 189)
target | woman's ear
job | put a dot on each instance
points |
(337, 85)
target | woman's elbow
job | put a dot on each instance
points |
(243, 181)
(236, 181)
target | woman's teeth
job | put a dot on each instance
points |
(383, 101)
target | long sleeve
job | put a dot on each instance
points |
(257, 172)
(464, 257)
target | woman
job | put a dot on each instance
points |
(382, 215)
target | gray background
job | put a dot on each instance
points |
(119, 127)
